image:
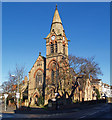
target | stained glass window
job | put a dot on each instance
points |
(38, 78)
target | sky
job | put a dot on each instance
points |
(25, 25)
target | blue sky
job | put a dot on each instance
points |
(24, 25)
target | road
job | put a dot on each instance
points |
(102, 114)
(103, 111)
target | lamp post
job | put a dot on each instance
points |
(5, 95)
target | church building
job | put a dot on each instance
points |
(51, 75)
(43, 76)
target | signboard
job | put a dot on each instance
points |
(5, 95)
(17, 95)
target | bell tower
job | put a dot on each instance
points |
(56, 41)
(56, 49)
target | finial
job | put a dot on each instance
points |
(39, 53)
(56, 6)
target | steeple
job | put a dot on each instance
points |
(56, 17)
(57, 32)
(56, 25)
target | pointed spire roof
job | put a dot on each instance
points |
(56, 26)
(56, 17)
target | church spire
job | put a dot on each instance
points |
(56, 25)
(56, 17)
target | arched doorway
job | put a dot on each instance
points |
(36, 100)
(36, 97)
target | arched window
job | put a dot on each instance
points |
(38, 80)
(52, 48)
(56, 47)
(63, 49)
(54, 72)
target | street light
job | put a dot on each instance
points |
(17, 94)
(5, 95)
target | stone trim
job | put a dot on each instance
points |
(37, 70)
(51, 61)
(59, 54)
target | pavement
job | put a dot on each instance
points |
(9, 109)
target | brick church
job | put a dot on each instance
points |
(44, 76)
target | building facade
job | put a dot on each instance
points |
(43, 76)
(49, 75)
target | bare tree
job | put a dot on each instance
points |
(10, 85)
(5, 87)
(74, 71)
(63, 73)
(83, 68)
